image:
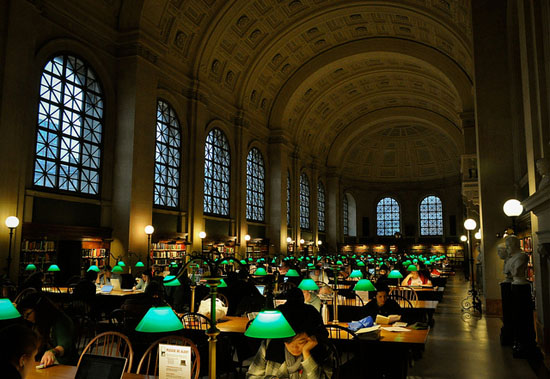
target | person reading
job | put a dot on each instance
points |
(416, 278)
(381, 304)
(17, 356)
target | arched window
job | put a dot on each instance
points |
(70, 127)
(255, 186)
(304, 202)
(217, 167)
(431, 216)
(167, 157)
(345, 215)
(288, 198)
(387, 217)
(321, 207)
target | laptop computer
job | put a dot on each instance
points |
(261, 288)
(98, 366)
(106, 288)
(116, 284)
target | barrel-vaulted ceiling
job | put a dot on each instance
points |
(374, 89)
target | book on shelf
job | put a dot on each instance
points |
(39, 246)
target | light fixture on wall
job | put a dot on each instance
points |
(12, 222)
(247, 237)
(302, 241)
(149, 229)
(513, 208)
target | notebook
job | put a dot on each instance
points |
(98, 366)
(116, 284)
(106, 288)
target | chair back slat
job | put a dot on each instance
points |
(112, 344)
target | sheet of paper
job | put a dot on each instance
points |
(399, 323)
(174, 362)
(369, 329)
(395, 329)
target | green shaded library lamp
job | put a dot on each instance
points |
(395, 274)
(30, 267)
(222, 284)
(360, 264)
(171, 281)
(7, 310)
(243, 262)
(292, 273)
(364, 285)
(308, 285)
(270, 324)
(140, 264)
(158, 320)
(54, 268)
(260, 271)
(121, 264)
(356, 274)
(93, 268)
(412, 268)
(117, 268)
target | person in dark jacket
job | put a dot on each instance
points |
(381, 304)
(17, 355)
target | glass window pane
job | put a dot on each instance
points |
(345, 215)
(431, 216)
(288, 198)
(388, 217)
(217, 169)
(69, 127)
(304, 202)
(321, 207)
(255, 186)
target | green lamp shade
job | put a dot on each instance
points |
(243, 262)
(339, 263)
(395, 274)
(356, 274)
(171, 281)
(260, 272)
(7, 310)
(308, 285)
(117, 268)
(412, 268)
(158, 320)
(173, 264)
(364, 285)
(292, 273)
(269, 324)
(140, 264)
(30, 267)
(250, 259)
(53, 268)
(361, 264)
(93, 268)
(415, 260)
(222, 284)
(121, 264)
(224, 262)
(407, 263)
(310, 265)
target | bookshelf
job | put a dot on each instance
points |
(257, 248)
(94, 252)
(40, 252)
(167, 251)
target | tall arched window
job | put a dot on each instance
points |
(167, 157)
(304, 202)
(288, 198)
(345, 215)
(387, 217)
(70, 127)
(321, 207)
(255, 186)
(431, 216)
(217, 168)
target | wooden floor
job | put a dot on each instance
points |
(459, 348)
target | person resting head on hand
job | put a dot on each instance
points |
(17, 356)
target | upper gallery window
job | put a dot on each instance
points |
(255, 186)
(388, 217)
(70, 127)
(431, 216)
(321, 207)
(167, 156)
(304, 202)
(217, 168)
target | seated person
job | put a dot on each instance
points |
(381, 305)
(85, 289)
(143, 281)
(17, 356)
(311, 298)
(137, 307)
(54, 328)
(301, 356)
(416, 278)
(105, 277)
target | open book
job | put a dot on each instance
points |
(385, 320)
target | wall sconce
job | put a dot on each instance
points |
(288, 240)
(247, 237)
(512, 208)
(302, 241)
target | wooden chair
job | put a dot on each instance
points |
(112, 344)
(339, 332)
(23, 294)
(405, 293)
(149, 363)
(403, 303)
(196, 321)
